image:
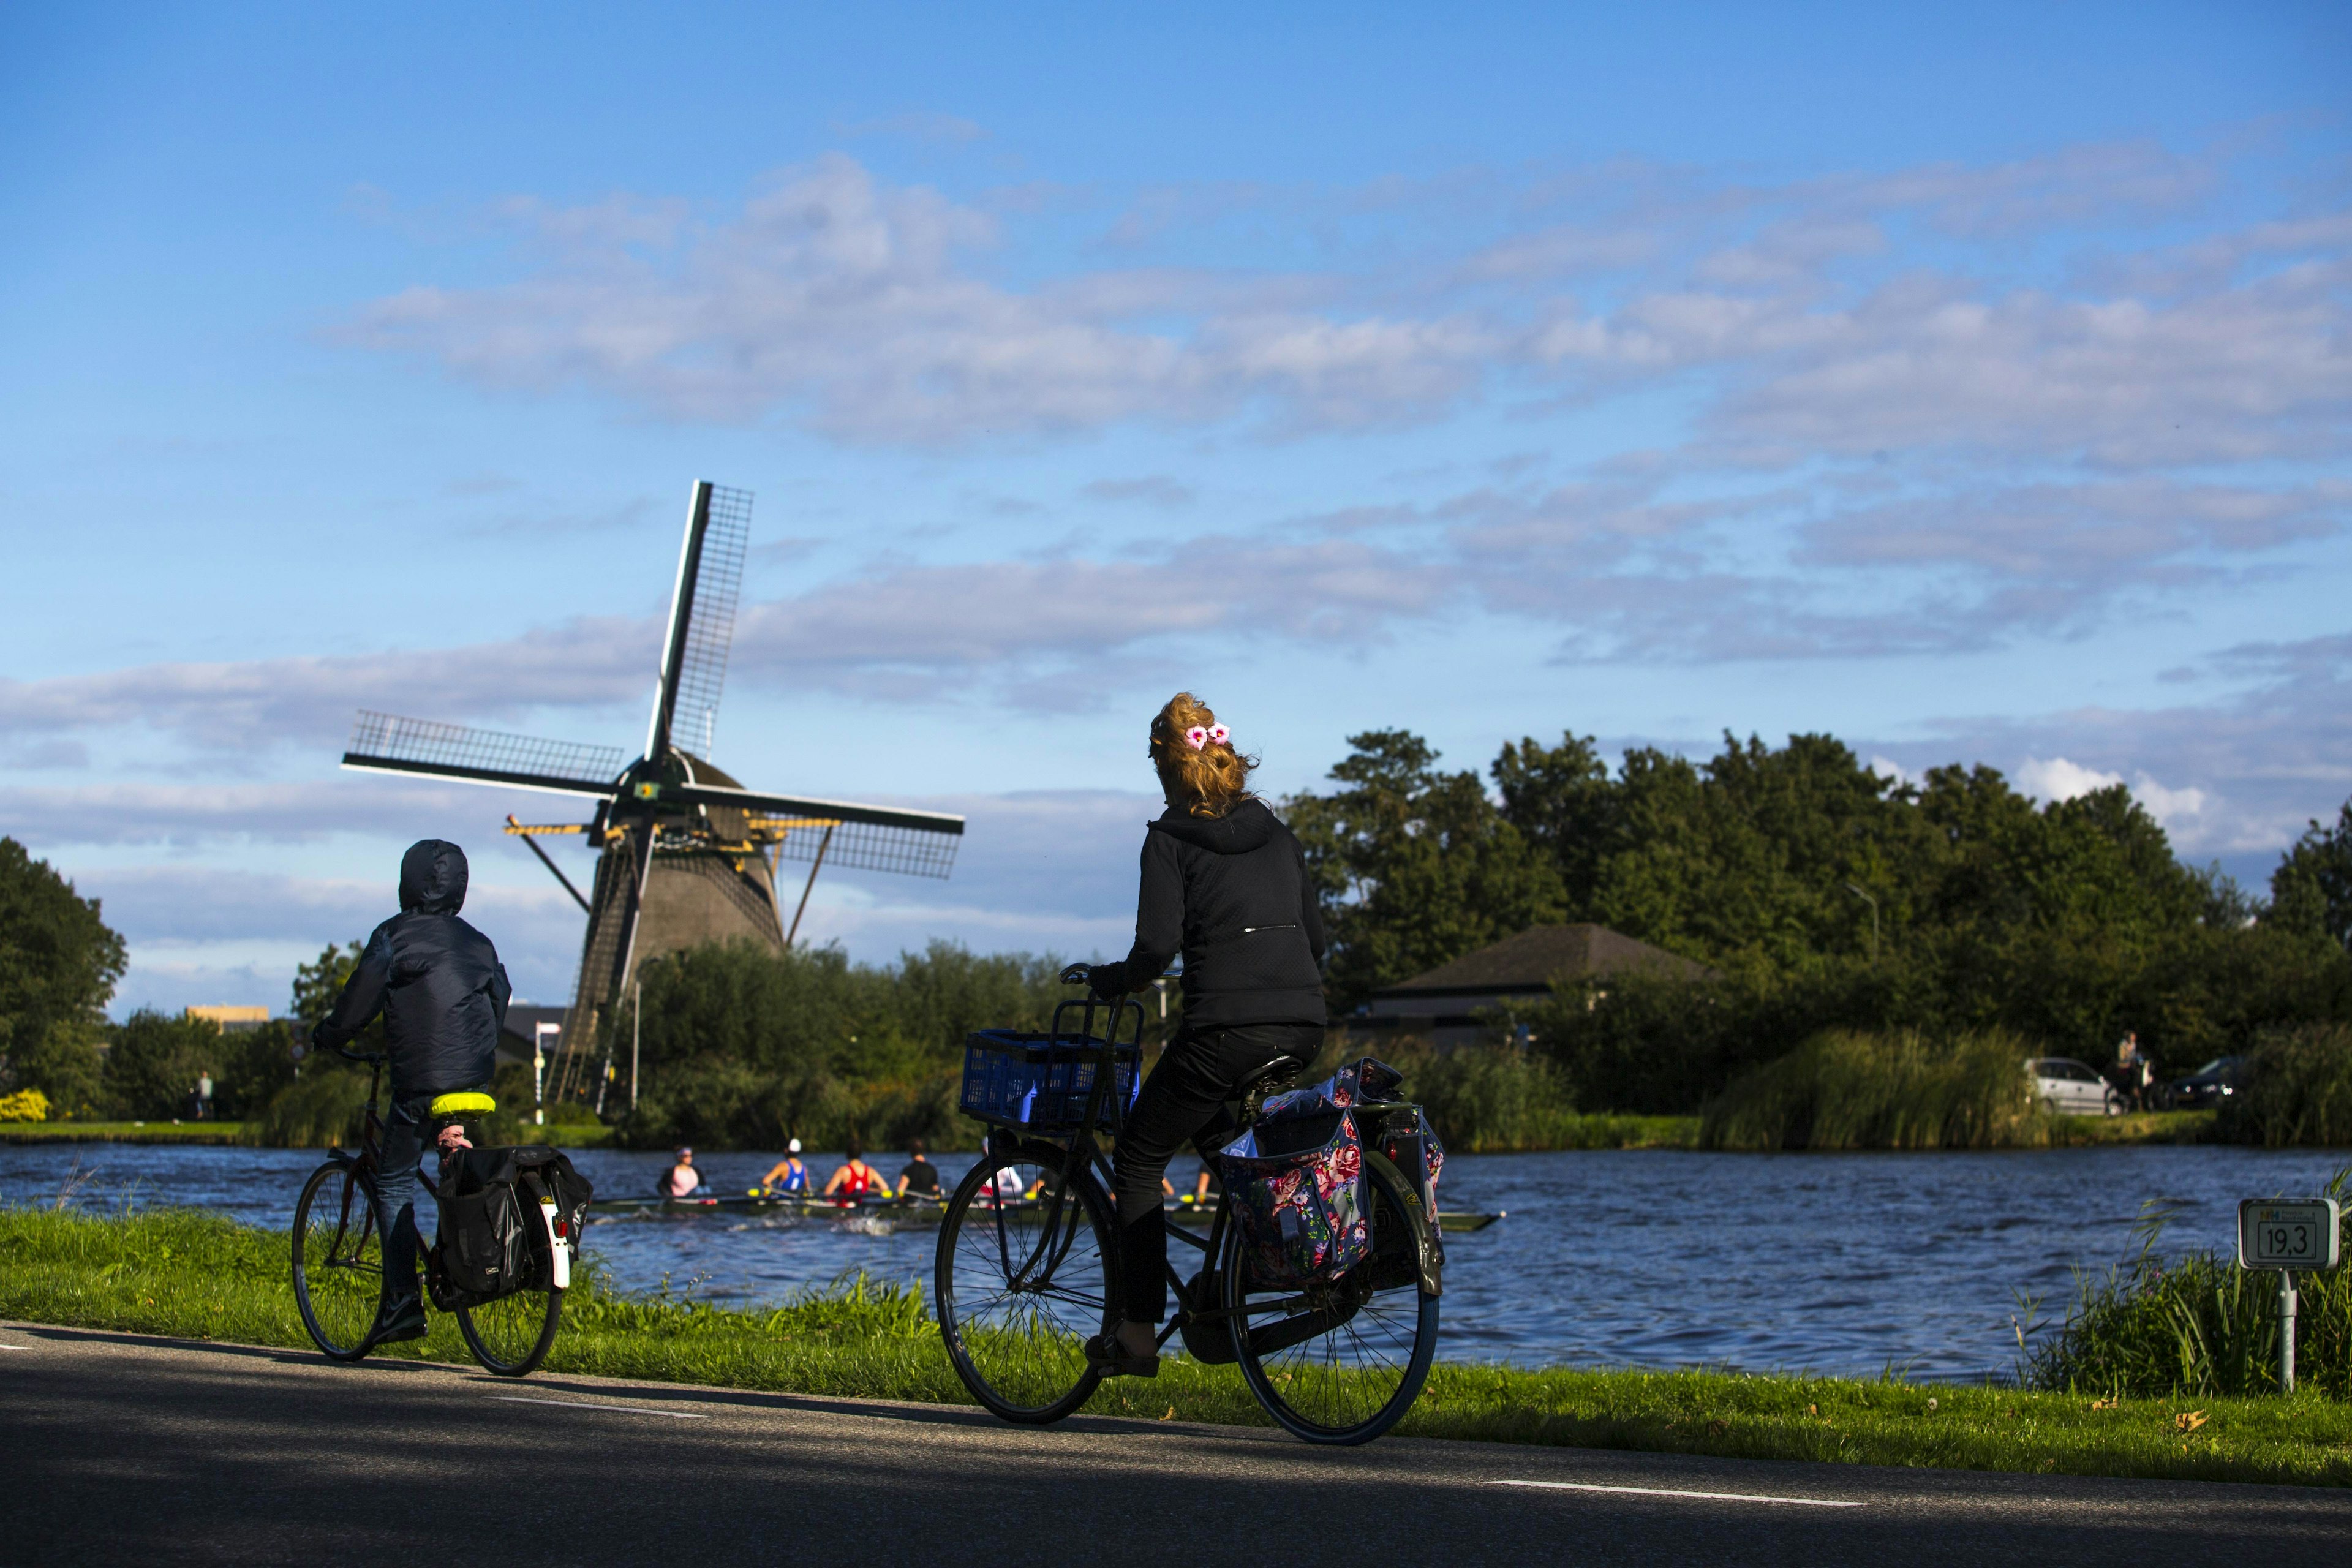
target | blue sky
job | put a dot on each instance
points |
(1971, 387)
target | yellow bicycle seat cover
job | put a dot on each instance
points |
(461, 1102)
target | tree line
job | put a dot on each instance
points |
(1822, 895)
(2063, 924)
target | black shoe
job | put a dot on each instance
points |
(1107, 1355)
(396, 1319)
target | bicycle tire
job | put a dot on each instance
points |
(510, 1336)
(1019, 1346)
(1341, 1385)
(338, 1259)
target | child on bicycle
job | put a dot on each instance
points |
(1224, 882)
(443, 994)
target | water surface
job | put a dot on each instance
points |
(1832, 1263)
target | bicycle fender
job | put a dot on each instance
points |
(1428, 1252)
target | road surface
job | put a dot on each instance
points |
(116, 1448)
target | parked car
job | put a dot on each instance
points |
(2208, 1085)
(2072, 1088)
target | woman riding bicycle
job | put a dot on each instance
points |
(1224, 882)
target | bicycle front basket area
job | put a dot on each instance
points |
(1040, 1082)
(1297, 1188)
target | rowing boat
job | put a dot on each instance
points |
(907, 1213)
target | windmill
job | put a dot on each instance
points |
(686, 855)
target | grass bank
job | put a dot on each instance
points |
(123, 1132)
(198, 1276)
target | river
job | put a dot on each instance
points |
(1845, 1264)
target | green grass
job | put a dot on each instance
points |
(122, 1131)
(194, 1275)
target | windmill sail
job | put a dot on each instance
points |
(862, 838)
(686, 856)
(384, 742)
(701, 620)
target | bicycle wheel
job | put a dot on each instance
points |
(1022, 1284)
(338, 1259)
(1339, 1362)
(511, 1335)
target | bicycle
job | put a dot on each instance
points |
(1021, 1283)
(337, 1258)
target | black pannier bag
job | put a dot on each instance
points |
(494, 1238)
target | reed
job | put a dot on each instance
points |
(2194, 1325)
(199, 1276)
(1847, 1089)
(2297, 1089)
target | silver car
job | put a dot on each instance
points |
(2070, 1088)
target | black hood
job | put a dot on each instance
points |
(433, 877)
(1245, 828)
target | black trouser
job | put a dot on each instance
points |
(1186, 1096)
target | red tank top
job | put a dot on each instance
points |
(856, 1179)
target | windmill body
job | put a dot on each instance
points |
(685, 854)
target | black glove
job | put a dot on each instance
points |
(1077, 975)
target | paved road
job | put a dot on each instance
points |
(121, 1450)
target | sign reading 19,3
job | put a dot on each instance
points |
(2277, 1234)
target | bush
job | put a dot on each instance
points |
(2297, 1089)
(325, 1106)
(1486, 1099)
(1848, 1090)
(25, 1105)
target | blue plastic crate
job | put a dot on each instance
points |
(1038, 1082)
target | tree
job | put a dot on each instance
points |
(1414, 866)
(154, 1061)
(2312, 888)
(58, 965)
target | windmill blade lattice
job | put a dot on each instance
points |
(390, 743)
(710, 628)
(871, 846)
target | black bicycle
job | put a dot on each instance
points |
(1027, 1270)
(339, 1263)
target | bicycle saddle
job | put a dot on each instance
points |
(1272, 1079)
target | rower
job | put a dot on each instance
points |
(920, 1178)
(856, 1179)
(681, 1180)
(790, 1174)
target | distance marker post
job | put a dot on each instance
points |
(2287, 1235)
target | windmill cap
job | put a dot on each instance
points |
(433, 877)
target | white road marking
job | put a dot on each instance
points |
(582, 1405)
(15, 1347)
(1664, 1492)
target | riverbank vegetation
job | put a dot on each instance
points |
(1866, 940)
(2193, 1325)
(1826, 898)
(198, 1276)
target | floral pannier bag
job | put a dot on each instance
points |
(1297, 1175)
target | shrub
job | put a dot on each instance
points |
(25, 1105)
(1844, 1089)
(2297, 1089)
(325, 1106)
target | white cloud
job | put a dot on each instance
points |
(2059, 779)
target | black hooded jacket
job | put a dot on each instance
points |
(436, 980)
(1232, 892)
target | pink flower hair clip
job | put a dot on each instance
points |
(1198, 737)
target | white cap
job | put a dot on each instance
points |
(793, 1147)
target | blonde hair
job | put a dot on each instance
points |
(1209, 780)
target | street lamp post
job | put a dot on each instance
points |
(1867, 898)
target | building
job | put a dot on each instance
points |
(1442, 1006)
(231, 1020)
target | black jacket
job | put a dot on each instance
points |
(436, 980)
(1232, 892)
